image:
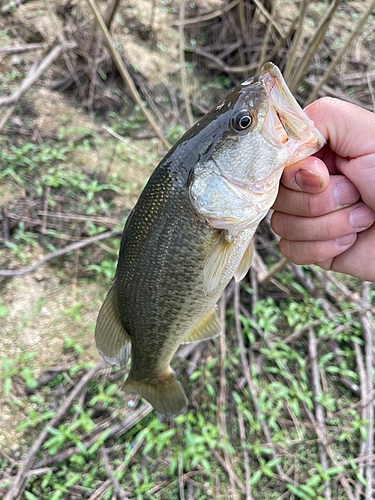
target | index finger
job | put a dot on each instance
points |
(348, 128)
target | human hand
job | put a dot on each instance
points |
(324, 211)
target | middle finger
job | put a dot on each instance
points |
(340, 193)
(326, 227)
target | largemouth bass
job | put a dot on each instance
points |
(191, 231)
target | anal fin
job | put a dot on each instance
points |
(216, 262)
(165, 393)
(207, 328)
(112, 340)
(245, 263)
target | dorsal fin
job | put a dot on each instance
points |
(111, 338)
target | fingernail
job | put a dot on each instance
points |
(309, 181)
(361, 217)
(346, 240)
(345, 194)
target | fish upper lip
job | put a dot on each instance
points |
(286, 124)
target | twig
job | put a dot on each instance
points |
(116, 485)
(297, 36)
(128, 143)
(101, 491)
(221, 401)
(341, 52)
(362, 388)
(313, 46)
(208, 16)
(16, 49)
(59, 253)
(269, 17)
(34, 73)
(230, 472)
(125, 75)
(180, 477)
(263, 52)
(5, 225)
(358, 45)
(183, 65)
(263, 279)
(219, 63)
(81, 218)
(110, 13)
(371, 89)
(369, 357)
(320, 428)
(245, 452)
(21, 478)
(6, 116)
(326, 90)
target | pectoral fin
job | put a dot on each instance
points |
(207, 328)
(245, 263)
(165, 393)
(216, 263)
(111, 339)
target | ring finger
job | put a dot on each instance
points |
(353, 219)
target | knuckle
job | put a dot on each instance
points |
(313, 205)
(276, 223)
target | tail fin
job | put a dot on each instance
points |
(164, 393)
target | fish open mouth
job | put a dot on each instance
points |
(286, 123)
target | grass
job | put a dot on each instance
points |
(79, 182)
(152, 458)
(191, 445)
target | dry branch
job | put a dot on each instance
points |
(369, 357)
(362, 387)
(125, 75)
(208, 15)
(102, 490)
(110, 13)
(320, 428)
(221, 417)
(269, 17)
(357, 30)
(116, 485)
(245, 454)
(34, 73)
(183, 65)
(16, 49)
(292, 52)
(263, 52)
(313, 46)
(219, 63)
(59, 253)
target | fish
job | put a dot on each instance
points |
(191, 232)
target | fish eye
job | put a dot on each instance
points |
(242, 120)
